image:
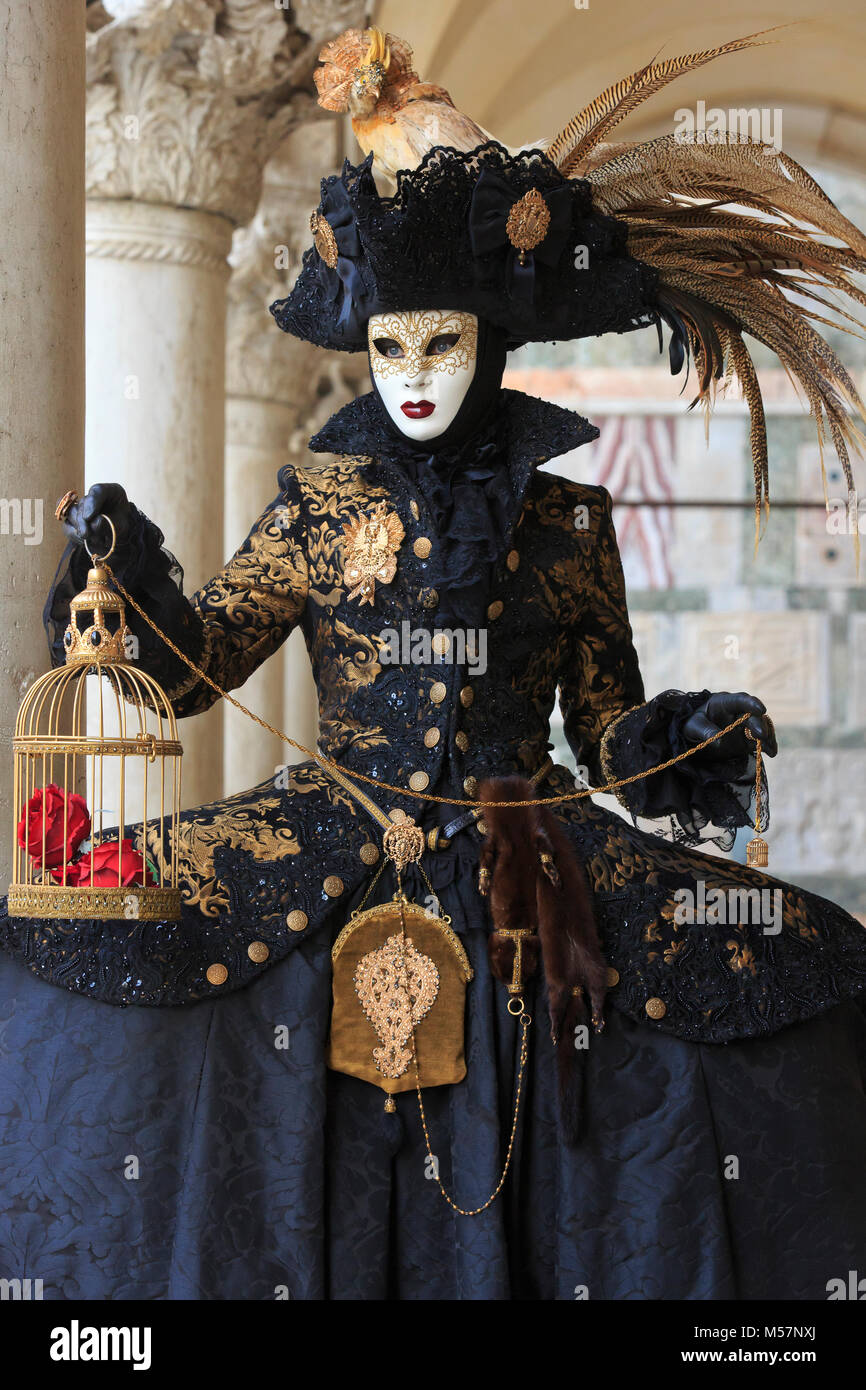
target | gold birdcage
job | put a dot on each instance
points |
(85, 726)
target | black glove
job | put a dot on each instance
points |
(85, 522)
(722, 709)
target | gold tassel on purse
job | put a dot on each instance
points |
(757, 850)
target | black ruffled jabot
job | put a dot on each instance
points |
(469, 504)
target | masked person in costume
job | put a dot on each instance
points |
(665, 1053)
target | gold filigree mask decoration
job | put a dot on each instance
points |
(423, 363)
(397, 986)
(412, 341)
(370, 551)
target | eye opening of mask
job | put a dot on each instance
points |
(383, 344)
(441, 343)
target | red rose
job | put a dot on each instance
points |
(105, 871)
(42, 825)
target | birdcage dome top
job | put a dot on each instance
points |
(97, 628)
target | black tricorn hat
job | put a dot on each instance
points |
(506, 237)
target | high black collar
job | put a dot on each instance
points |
(529, 431)
(524, 432)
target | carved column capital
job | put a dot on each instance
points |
(187, 99)
(262, 362)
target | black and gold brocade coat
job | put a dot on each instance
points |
(288, 859)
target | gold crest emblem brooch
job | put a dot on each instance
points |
(370, 551)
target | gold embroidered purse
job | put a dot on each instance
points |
(399, 971)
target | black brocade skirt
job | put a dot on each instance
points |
(176, 1153)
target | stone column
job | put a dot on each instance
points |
(42, 94)
(155, 373)
(187, 100)
(278, 390)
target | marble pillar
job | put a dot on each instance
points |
(42, 94)
(257, 433)
(155, 392)
(276, 390)
(187, 100)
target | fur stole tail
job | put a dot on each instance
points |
(533, 879)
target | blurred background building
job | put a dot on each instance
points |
(191, 129)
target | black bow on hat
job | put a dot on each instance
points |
(534, 227)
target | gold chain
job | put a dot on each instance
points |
(340, 773)
(525, 1020)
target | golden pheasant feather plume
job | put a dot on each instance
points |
(745, 242)
(724, 272)
(593, 123)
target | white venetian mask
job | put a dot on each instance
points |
(423, 361)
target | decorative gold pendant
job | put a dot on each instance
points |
(403, 842)
(324, 240)
(371, 545)
(757, 850)
(528, 223)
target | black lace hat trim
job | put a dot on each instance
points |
(440, 242)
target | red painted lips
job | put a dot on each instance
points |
(417, 410)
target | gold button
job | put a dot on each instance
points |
(217, 974)
(512, 560)
(333, 886)
(413, 507)
(297, 920)
(418, 781)
(462, 741)
(431, 737)
(656, 1008)
(422, 547)
(440, 644)
(397, 814)
(258, 952)
(467, 695)
(470, 785)
(612, 976)
(482, 827)
(438, 691)
(495, 609)
(369, 853)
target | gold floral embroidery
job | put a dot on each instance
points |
(397, 986)
(742, 958)
(253, 821)
(371, 545)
